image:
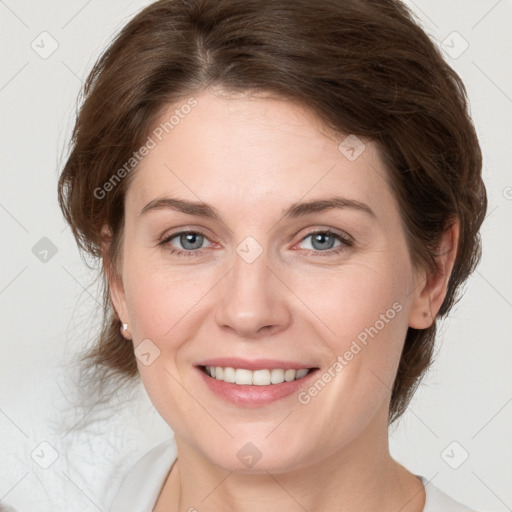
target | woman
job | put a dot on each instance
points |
(286, 196)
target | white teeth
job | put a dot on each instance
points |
(261, 377)
(301, 373)
(243, 377)
(229, 375)
(276, 376)
(289, 375)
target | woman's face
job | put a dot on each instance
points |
(258, 183)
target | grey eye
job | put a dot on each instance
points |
(191, 241)
(321, 241)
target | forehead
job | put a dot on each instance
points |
(240, 149)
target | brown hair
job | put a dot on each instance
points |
(364, 67)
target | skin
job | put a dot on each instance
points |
(251, 157)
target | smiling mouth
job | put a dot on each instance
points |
(263, 377)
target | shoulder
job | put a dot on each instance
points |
(142, 483)
(438, 501)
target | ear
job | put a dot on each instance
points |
(115, 283)
(431, 287)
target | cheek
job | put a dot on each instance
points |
(365, 311)
(354, 297)
(361, 315)
(163, 303)
(161, 300)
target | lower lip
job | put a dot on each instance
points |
(251, 395)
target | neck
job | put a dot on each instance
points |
(359, 476)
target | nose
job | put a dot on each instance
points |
(254, 300)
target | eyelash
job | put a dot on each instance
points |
(345, 243)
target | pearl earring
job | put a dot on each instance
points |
(124, 328)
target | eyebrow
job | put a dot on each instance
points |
(294, 211)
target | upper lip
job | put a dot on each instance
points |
(253, 364)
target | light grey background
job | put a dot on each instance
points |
(48, 309)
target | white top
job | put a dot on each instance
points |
(138, 493)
